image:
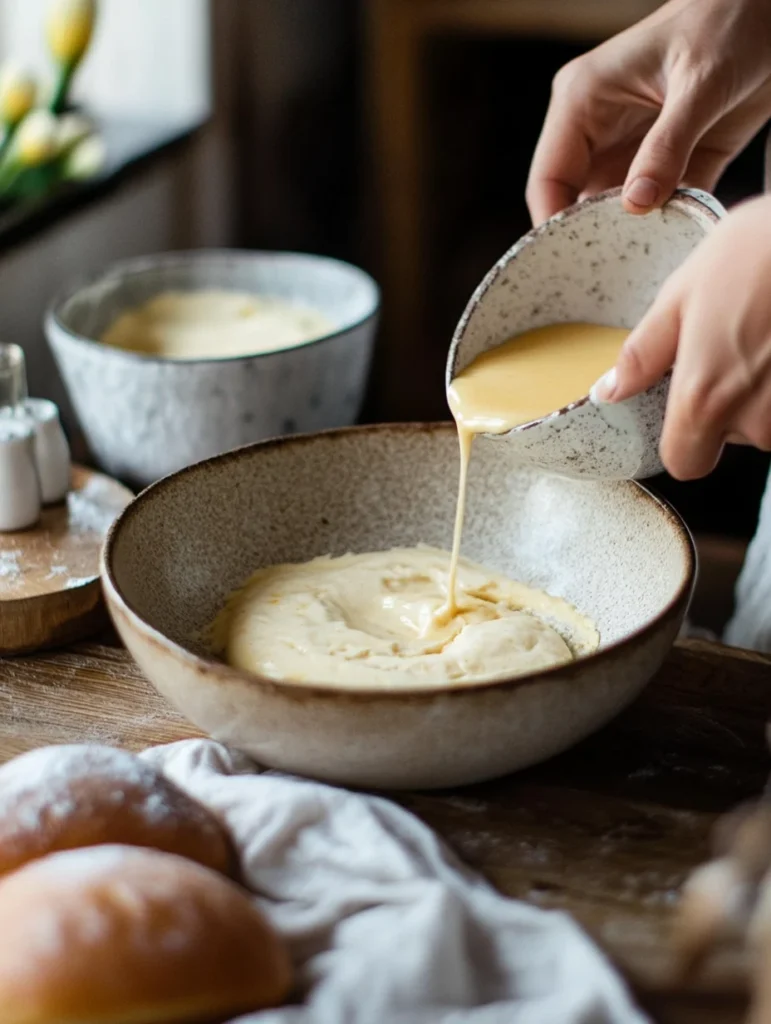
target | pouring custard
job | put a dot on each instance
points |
(422, 616)
(526, 378)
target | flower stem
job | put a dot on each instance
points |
(9, 175)
(59, 99)
(5, 142)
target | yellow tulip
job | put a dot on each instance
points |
(18, 90)
(69, 27)
(37, 139)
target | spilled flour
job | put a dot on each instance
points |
(10, 568)
(90, 510)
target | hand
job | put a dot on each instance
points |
(712, 322)
(672, 100)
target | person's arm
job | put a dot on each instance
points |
(672, 100)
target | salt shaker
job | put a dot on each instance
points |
(52, 452)
(19, 484)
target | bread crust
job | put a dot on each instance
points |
(122, 935)
(67, 797)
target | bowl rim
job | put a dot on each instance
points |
(53, 320)
(223, 672)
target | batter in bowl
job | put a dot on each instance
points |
(214, 324)
(372, 619)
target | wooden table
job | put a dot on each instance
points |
(607, 832)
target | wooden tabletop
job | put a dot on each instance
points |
(607, 832)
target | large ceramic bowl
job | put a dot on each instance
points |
(593, 262)
(144, 417)
(619, 554)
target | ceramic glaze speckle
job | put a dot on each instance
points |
(145, 417)
(592, 263)
(615, 552)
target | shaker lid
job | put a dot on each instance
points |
(13, 375)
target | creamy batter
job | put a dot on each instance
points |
(214, 324)
(370, 619)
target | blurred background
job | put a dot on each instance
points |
(393, 133)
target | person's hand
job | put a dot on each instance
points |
(712, 322)
(670, 101)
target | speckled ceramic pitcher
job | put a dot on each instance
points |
(594, 263)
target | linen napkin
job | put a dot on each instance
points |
(384, 924)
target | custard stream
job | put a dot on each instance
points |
(394, 616)
(524, 379)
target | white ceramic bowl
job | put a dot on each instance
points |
(144, 417)
(620, 555)
(593, 262)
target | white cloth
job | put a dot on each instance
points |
(384, 923)
(750, 626)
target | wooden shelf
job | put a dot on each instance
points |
(131, 145)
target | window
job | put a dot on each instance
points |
(149, 60)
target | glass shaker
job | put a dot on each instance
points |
(13, 379)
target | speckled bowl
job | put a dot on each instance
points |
(620, 555)
(145, 417)
(596, 263)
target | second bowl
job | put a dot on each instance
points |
(145, 417)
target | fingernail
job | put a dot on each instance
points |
(605, 387)
(642, 192)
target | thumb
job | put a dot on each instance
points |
(646, 355)
(663, 156)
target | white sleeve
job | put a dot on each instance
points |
(750, 626)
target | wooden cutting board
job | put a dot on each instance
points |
(607, 832)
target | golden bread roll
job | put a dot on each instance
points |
(120, 935)
(65, 797)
